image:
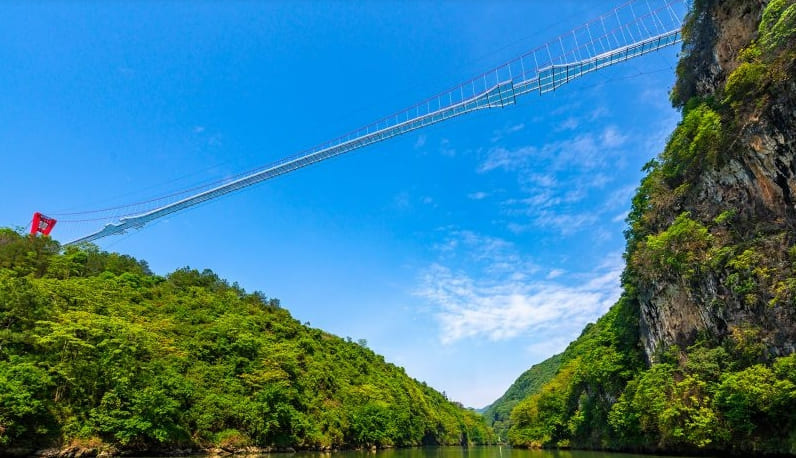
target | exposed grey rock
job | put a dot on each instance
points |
(756, 177)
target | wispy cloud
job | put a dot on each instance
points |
(563, 223)
(499, 134)
(658, 134)
(571, 170)
(446, 149)
(498, 307)
(477, 195)
(498, 293)
(570, 123)
(620, 216)
(420, 142)
(620, 197)
(598, 113)
(507, 159)
(584, 152)
(491, 254)
(555, 273)
(611, 138)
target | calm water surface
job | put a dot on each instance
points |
(472, 452)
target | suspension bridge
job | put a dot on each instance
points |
(630, 30)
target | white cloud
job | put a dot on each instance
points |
(498, 135)
(515, 128)
(621, 197)
(597, 113)
(477, 195)
(445, 149)
(584, 152)
(509, 295)
(507, 159)
(555, 273)
(500, 307)
(565, 223)
(570, 123)
(611, 138)
(492, 253)
(658, 134)
(566, 108)
(620, 217)
(421, 141)
(543, 198)
(538, 179)
(518, 228)
(574, 122)
(557, 181)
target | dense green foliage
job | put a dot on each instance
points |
(723, 392)
(572, 409)
(95, 348)
(680, 249)
(710, 400)
(498, 414)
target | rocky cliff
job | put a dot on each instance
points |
(736, 83)
(698, 353)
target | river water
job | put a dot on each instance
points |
(471, 452)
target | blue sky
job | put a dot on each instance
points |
(465, 252)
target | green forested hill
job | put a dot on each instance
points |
(498, 413)
(95, 349)
(725, 395)
(698, 353)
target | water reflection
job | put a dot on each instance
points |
(471, 452)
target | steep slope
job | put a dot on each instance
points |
(698, 354)
(498, 413)
(96, 351)
(729, 169)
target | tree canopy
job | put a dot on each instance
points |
(96, 348)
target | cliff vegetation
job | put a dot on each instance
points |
(698, 354)
(498, 414)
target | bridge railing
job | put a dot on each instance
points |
(554, 76)
(629, 28)
(634, 28)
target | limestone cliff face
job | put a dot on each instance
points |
(741, 276)
(710, 281)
